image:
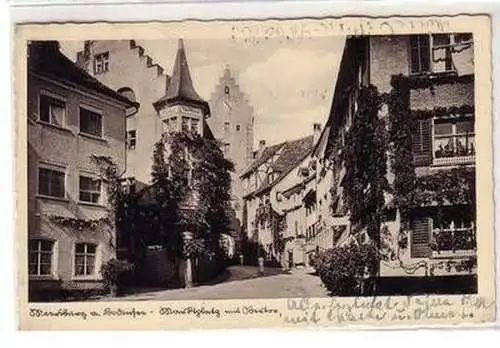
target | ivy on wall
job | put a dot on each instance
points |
(192, 186)
(369, 142)
(110, 176)
(80, 224)
(365, 158)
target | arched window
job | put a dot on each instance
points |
(226, 90)
(127, 93)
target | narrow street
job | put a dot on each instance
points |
(244, 283)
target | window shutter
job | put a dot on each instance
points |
(422, 143)
(420, 237)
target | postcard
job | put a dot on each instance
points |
(294, 173)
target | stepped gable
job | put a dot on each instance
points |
(149, 61)
(180, 88)
(232, 78)
(46, 59)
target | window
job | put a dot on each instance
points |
(185, 124)
(195, 125)
(128, 185)
(453, 229)
(90, 189)
(40, 257)
(439, 52)
(226, 90)
(226, 127)
(52, 110)
(454, 140)
(101, 63)
(226, 149)
(420, 53)
(85, 255)
(238, 127)
(171, 124)
(51, 182)
(131, 139)
(90, 122)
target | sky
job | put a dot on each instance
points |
(289, 83)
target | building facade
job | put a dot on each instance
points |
(426, 81)
(124, 66)
(71, 117)
(231, 120)
(274, 224)
(232, 123)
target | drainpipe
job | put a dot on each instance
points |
(131, 111)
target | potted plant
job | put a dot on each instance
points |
(111, 273)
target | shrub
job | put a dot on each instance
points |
(344, 269)
(113, 270)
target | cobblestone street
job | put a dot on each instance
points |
(244, 283)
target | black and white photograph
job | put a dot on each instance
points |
(195, 169)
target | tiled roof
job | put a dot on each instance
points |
(267, 153)
(45, 59)
(293, 153)
(180, 87)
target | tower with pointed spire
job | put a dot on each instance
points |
(181, 108)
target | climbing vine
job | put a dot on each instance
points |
(110, 176)
(448, 187)
(192, 185)
(367, 147)
(365, 160)
(80, 224)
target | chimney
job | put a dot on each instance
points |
(316, 132)
(262, 145)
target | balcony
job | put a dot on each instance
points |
(454, 149)
(454, 242)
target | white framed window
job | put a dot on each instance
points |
(52, 109)
(195, 125)
(101, 63)
(437, 52)
(41, 254)
(90, 122)
(131, 139)
(90, 189)
(51, 181)
(454, 229)
(85, 259)
(227, 148)
(454, 140)
(128, 185)
(170, 125)
(185, 124)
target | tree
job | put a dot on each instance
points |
(192, 190)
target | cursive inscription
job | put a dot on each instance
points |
(297, 30)
(345, 311)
